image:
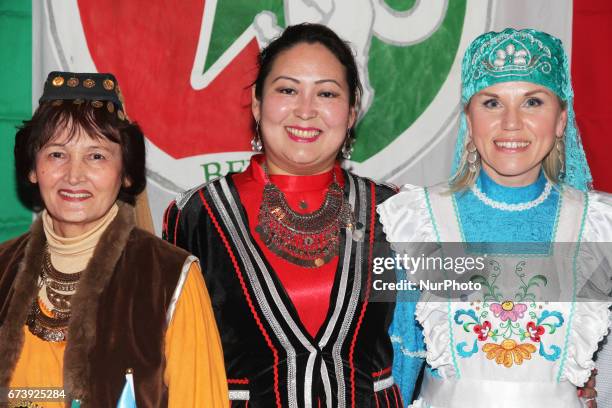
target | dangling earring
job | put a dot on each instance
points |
(347, 147)
(256, 144)
(560, 146)
(473, 158)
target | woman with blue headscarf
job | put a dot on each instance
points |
(528, 336)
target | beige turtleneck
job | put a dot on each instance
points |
(70, 255)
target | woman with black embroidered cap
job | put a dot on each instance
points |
(88, 302)
(287, 245)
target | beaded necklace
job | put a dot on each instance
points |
(50, 322)
(512, 207)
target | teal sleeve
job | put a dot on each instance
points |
(408, 343)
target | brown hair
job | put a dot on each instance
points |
(97, 122)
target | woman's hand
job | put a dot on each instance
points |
(588, 392)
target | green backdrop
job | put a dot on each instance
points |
(15, 106)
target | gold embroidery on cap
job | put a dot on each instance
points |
(108, 84)
(120, 114)
(110, 106)
(57, 102)
(58, 81)
(97, 104)
(89, 83)
(78, 101)
(120, 96)
(73, 82)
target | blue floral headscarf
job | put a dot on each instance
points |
(531, 56)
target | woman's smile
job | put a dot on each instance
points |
(511, 145)
(79, 179)
(303, 135)
(514, 126)
(304, 113)
(74, 195)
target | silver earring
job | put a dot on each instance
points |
(347, 147)
(256, 144)
(473, 158)
(560, 146)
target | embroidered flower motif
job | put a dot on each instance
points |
(516, 57)
(509, 352)
(482, 330)
(508, 310)
(534, 331)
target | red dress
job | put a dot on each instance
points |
(308, 288)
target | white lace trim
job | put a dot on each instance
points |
(405, 217)
(413, 354)
(589, 327)
(433, 317)
(512, 207)
(408, 353)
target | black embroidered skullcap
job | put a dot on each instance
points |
(101, 89)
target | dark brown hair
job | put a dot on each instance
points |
(97, 122)
(310, 34)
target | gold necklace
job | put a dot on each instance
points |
(51, 323)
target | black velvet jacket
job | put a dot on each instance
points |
(270, 358)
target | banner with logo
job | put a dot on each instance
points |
(185, 69)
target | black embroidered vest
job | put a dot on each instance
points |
(270, 358)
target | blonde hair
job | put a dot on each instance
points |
(553, 164)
